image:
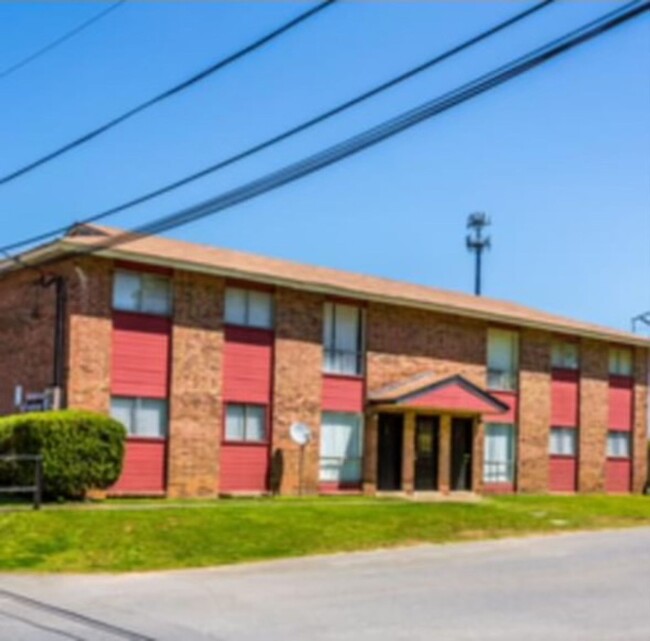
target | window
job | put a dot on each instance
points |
(618, 444)
(343, 339)
(249, 307)
(341, 445)
(563, 441)
(620, 361)
(246, 423)
(564, 355)
(503, 359)
(144, 417)
(145, 293)
(499, 458)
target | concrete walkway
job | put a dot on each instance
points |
(572, 587)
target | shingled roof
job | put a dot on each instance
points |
(158, 250)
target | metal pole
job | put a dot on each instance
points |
(38, 483)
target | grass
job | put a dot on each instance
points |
(128, 536)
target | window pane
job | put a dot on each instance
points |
(255, 423)
(620, 361)
(347, 328)
(235, 423)
(126, 291)
(151, 417)
(156, 295)
(563, 441)
(122, 411)
(565, 355)
(341, 447)
(618, 444)
(328, 326)
(260, 309)
(502, 359)
(499, 453)
(235, 306)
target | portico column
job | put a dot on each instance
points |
(444, 461)
(370, 443)
(408, 452)
(478, 444)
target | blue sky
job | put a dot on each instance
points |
(559, 158)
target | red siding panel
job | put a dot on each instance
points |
(618, 475)
(564, 397)
(510, 399)
(563, 473)
(140, 357)
(621, 394)
(343, 394)
(244, 467)
(248, 365)
(143, 471)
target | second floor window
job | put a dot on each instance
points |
(564, 355)
(343, 339)
(249, 307)
(142, 292)
(620, 361)
(503, 359)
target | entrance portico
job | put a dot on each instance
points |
(425, 434)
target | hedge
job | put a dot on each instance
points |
(81, 451)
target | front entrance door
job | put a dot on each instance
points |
(462, 430)
(389, 459)
(427, 430)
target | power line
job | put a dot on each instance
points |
(377, 134)
(269, 142)
(201, 75)
(60, 40)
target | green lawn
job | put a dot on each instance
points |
(130, 536)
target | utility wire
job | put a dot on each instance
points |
(59, 41)
(82, 140)
(269, 142)
(374, 135)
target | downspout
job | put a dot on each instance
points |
(58, 357)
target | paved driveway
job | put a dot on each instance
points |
(579, 587)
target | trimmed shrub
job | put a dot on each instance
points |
(81, 450)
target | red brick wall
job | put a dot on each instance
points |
(297, 385)
(196, 385)
(27, 333)
(594, 413)
(640, 424)
(534, 410)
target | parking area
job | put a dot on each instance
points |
(575, 587)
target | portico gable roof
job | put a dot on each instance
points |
(431, 391)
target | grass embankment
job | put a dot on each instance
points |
(147, 537)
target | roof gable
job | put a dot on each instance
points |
(454, 393)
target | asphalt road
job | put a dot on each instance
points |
(576, 587)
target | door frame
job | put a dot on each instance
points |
(390, 452)
(434, 424)
(467, 442)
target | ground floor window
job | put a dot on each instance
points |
(499, 457)
(618, 445)
(144, 417)
(563, 441)
(341, 447)
(245, 423)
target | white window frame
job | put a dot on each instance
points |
(565, 355)
(344, 362)
(621, 361)
(613, 450)
(248, 296)
(140, 305)
(345, 469)
(499, 378)
(500, 471)
(136, 404)
(567, 436)
(246, 408)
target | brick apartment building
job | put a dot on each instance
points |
(209, 356)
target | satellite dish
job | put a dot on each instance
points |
(300, 433)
